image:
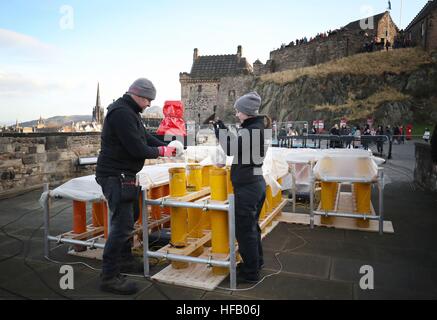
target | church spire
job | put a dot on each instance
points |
(98, 95)
(98, 112)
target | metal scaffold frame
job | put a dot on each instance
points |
(230, 208)
(379, 217)
(230, 263)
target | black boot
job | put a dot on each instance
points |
(244, 277)
(133, 265)
(118, 285)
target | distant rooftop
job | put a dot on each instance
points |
(430, 5)
(218, 66)
(355, 25)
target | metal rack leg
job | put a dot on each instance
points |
(312, 199)
(46, 222)
(145, 235)
(232, 253)
(293, 176)
(381, 201)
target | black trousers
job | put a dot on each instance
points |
(249, 200)
(122, 196)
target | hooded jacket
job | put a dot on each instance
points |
(125, 144)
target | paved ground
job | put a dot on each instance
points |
(313, 264)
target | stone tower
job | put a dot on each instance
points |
(205, 90)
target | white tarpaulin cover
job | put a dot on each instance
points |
(87, 189)
(276, 166)
(346, 167)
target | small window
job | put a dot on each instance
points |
(231, 94)
(199, 88)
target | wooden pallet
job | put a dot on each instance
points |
(197, 276)
(274, 214)
(90, 233)
(345, 204)
(200, 276)
(193, 245)
(339, 223)
(94, 254)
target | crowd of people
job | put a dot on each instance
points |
(348, 136)
(400, 41)
(380, 135)
(305, 40)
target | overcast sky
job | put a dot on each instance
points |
(53, 53)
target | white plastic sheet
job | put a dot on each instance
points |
(87, 189)
(336, 167)
(299, 160)
(276, 165)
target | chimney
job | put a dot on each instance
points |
(239, 51)
(196, 54)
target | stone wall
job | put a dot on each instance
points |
(199, 97)
(429, 25)
(342, 44)
(386, 29)
(336, 46)
(231, 88)
(27, 161)
(431, 43)
(425, 173)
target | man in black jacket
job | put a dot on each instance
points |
(124, 147)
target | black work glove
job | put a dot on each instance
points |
(218, 125)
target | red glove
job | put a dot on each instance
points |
(167, 151)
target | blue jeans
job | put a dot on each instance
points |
(249, 200)
(122, 197)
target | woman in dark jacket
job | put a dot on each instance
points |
(248, 149)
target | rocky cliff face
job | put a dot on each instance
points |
(389, 97)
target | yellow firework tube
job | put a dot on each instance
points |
(195, 222)
(263, 213)
(328, 193)
(363, 193)
(269, 199)
(278, 198)
(178, 223)
(205, 175)
(219, 219)
(194, 182)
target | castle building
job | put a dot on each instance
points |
(337, 44)
(215, 82)
(98, 111)
(422, 31)
(205, 90)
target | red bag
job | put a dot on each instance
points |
(173, 123)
